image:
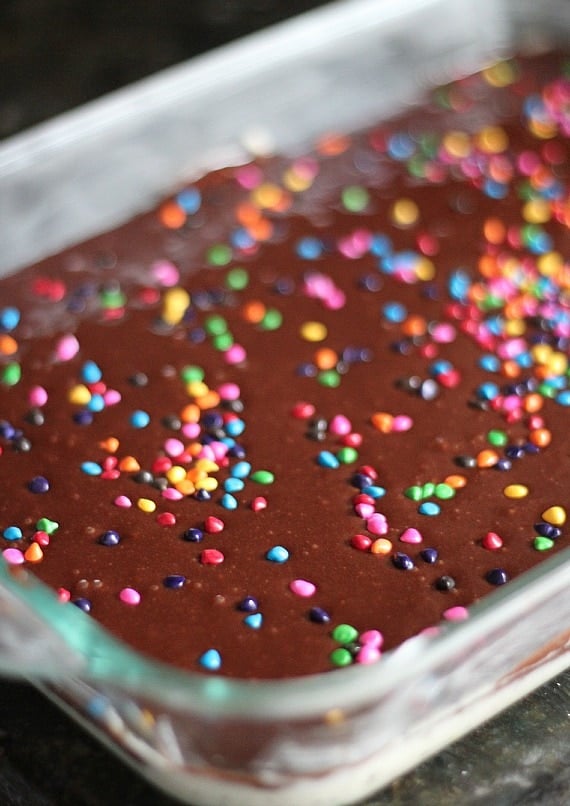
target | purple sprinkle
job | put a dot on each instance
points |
(319, 616)
(174, 581)
(39, 484)
(249, 604)
(83, 604)
(110, 538)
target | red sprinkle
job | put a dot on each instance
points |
(259, 503)
(211, 557)
(213, 525)
(166, 519)
(41, 538)
(360, 542)
(302, 410)
(492, 541)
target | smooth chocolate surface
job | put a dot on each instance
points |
(427, 256)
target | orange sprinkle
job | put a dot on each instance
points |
(129, 464)
(171, 215)
(8, 344)
(326, 358)
(253, 311)
(194, 449)
(261, 230)
(332, 144)
(190, 413)
(381, 546)
(414, 326)
(541, 437)
(34, 553)
(111, 444)
(511, 369)
(247, 213)
(456, 481)
(487, 458)
(382, 421)
(533, 403)
(186, 487)
(208, 401)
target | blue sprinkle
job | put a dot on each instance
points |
(232, 485)
(327, 459)
(98, 706)
(228, 501)
(394, 312)
(319, 616)
(459, 285)
(277, 554)
(91, 468)
(90, 372)
(82, 417)
(12, 533)
(402, 561)
(139, 419)
(490, 363)
(563, 398)
(401, 146)
(234, 428)
(193, 535)
(110, 538)
(429, 508)
(9, 318)
(309, 248)
(254, 620)
(487, 391)
(241, 239)
(381, 245)
(97, 403)
(494, 189)
(190, 200)
(240, 470)
(83, 604)
(211, 660)
(374, 491)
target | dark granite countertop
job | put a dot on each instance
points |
(54, 55)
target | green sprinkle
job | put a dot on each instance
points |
(219, 255)
(497, 438)
(272, 319)
(46, 525)
(541, 543)
(11, 374)
(112, 298)
(263, 477)
(414, 493)
(215, 325)
(329, 378)
(355, 198)
(428, 489)
(340, 657)
(344, 633)
(547, 390)
(237, 279)
(191, 373)
(223, 341)
(347, 455)
(444, 492)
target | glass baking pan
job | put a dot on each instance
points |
(325, 739)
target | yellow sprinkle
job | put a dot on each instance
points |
(175, 303)
(79, 395)
(197, 388)
(492, 140)
(515, 327)
(541, 353)
(146, 505)
(515, 491)
(404, 213)
(537, 211)
(313, 331)
(425, 269)
(176, 474)
(555, 515)
(295, 182)
(457, 144)
(557, 363)
(550, 263)
(501, 74)
(267, 195)
(207, 465)
(209, 484)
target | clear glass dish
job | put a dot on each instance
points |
(324, 739)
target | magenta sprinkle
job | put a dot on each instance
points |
(377, 524)
(301, 587)
(66, 347)
(130, 596)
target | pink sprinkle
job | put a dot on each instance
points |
(364, 510)
(123, 501)
(165, 273)
(172, 494)
(206, 452)
(340, 425)
(377, 524)
(38, 396)
(63, 595)
(191, 430)
(367, 654)
(173, 447)
(456, 613)
(430, 632)
(402, 422)
(213, 525)
(443, 333)
(112, 397)
(66, 347)
(13, 556)
(301, 587)
(130, 596)
(229, 391)
(236, 354)
(411, 535)
(336, 300)
(249, 176)
(219, 449)
(259, 503)
(372, 638)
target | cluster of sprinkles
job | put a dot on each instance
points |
(186, 469)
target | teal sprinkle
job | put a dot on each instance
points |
(228, 501)
(211, 660)
(91, 468)
(254, 620)
(12, 533)
(429, 508)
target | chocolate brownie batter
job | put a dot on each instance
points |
(309, 406)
